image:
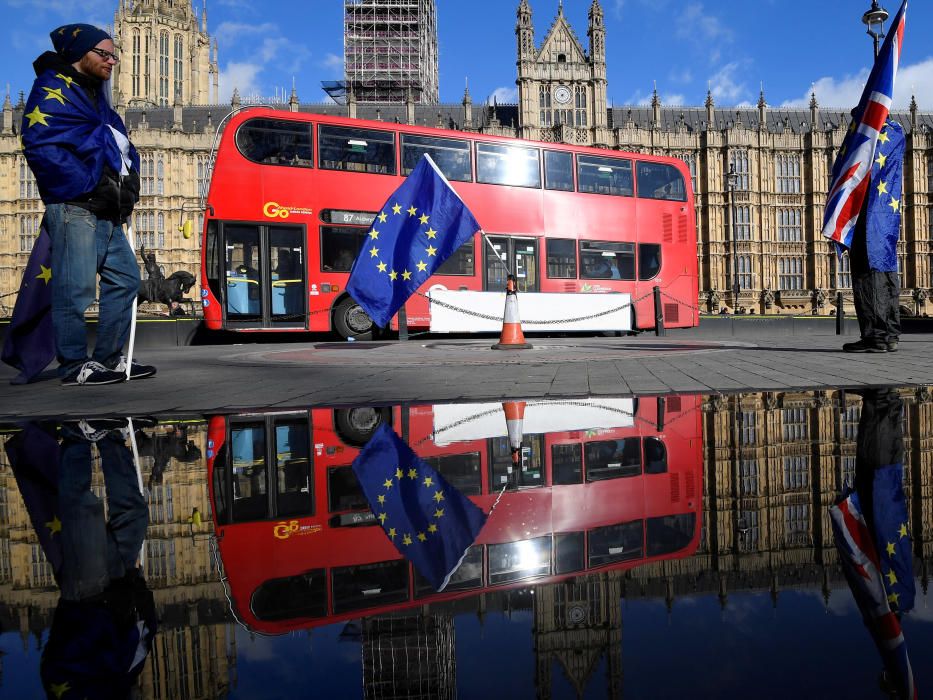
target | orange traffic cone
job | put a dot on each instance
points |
(514, 416)
(512, 337)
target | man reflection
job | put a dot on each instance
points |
(104, 622)
(870, 528)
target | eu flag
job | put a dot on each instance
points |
(892, 536)
(30, 340)
(883, 225)
(429, 521)
(417, 229)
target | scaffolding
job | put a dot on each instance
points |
(390, 50)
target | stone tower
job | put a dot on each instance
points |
(561, 85)
(166, 55)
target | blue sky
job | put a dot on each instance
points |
(684, 46)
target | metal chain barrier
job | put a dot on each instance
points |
(693, 307)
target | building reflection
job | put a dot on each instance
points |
(771, 465)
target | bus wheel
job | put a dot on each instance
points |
(356, 425)
(351, 320)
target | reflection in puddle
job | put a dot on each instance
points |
(696, 520)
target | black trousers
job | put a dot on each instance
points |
(876, 295)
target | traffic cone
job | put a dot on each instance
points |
(514, 417)
(512, 337)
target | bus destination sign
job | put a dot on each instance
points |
(352, 218)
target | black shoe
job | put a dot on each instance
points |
(892, 346)
(93, 373)
(864, 346)
(137, 372)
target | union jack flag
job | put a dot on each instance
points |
(851, 170)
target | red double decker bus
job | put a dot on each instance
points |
(293, 195)
(600, 484)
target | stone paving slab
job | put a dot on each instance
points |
(227, 378)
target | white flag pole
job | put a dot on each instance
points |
(129, 350)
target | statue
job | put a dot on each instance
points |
(767, 296)
(712, 299)
(819, 299)
(156, 288)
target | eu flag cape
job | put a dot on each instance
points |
(421, 225)
(30, 340)
(884, 200)
(429, 521)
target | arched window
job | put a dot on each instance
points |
(179, 66)
(160, 178)
(738, 160)
(163, 69)
(136, 59)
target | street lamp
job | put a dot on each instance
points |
(733, 178)
(874, 19)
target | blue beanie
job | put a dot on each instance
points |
(72, 41)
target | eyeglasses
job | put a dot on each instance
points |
(106, 55)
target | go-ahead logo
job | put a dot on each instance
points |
(290, 528)
(274, 210)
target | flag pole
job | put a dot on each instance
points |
(496, 252)
(129, 350)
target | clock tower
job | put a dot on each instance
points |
(561, 85)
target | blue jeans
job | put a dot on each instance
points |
(83, 247)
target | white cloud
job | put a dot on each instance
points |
(617, 6)
(333, 62)
(682, 76)
(241, 76)
(668, 99)
(697, 24)
(504, 95)
(268, 49)
(726, 86)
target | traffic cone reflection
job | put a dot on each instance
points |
(514, 417)
(512, 337)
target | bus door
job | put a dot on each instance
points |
(521, 257)
(265, 276)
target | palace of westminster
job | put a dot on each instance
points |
(166, 87)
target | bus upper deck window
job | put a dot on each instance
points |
(276, 142)
(356, 150)
(451, 156)
(507, 165)
(661, 181)
(604, 175)
(558, 171)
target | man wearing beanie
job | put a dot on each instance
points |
(87, 172)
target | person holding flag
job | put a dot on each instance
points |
(421, 225)
(87, 172)
(863, 208)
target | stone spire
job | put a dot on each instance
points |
(7, 113)
(710, 106)
(235, 100)
(293, 98)
(655, 108)
(204, 17)
(913, 112)
(525, 33)
(762, 109)
(597, 33)
(814, 112)
(467, 106)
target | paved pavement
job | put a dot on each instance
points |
(231, 378)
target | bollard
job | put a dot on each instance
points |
(660, 420)
(840, 315)
(658, 313)
(402, 324)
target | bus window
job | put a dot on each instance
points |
(604, 175)
(528, 474)
(607, 260)
(294, 495)
(451, 157)
(304, 595)
(460, 471)
(566, 464)
(655, 456)
(466, 576)
(287, 266)
(370, 585)
(461, 262)
(514, 561)
(570, 552)
(356, 150)
(244, 296)
(670, 533)
(649, 260)
(343, 491)
(561, 258)
(613, 543)
(661, 181)
(507, 165)
(340, 246)
(612, 459)
(276, 142)
(558, 171)
(250, 491)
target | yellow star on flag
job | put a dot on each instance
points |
(381, 499)
(396, 209)
(54, 94)
(59, 689)
(895, 204)
(430, 250)
(423, 218)
(892, 577)
(894, 598)
(421, 537)
(880, 160)
(428, 481)
(392, 533)
(412, 211)
(66, 78)
(382, 518)
(374, 234)
(883, 137)
(412, 473)
(387, 483)
(882, 188)
(422, 266)
(891, 549)
(439, 513)
(54, 525)
(399, 473)
(903, 531)
(373, 252)
(382, 217)
(76, 31)
(431, 233)
(382, 267)
(37, 117)
(432, 528)
(406, 539)
(393, 275)
(45, 275)
(406, 275)
(438, 496)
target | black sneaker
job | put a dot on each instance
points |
(892, 346)
(864, 346)
(138, 371)
(93, 373)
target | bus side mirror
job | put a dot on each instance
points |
(186, 229)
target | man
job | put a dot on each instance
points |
(87, 172)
